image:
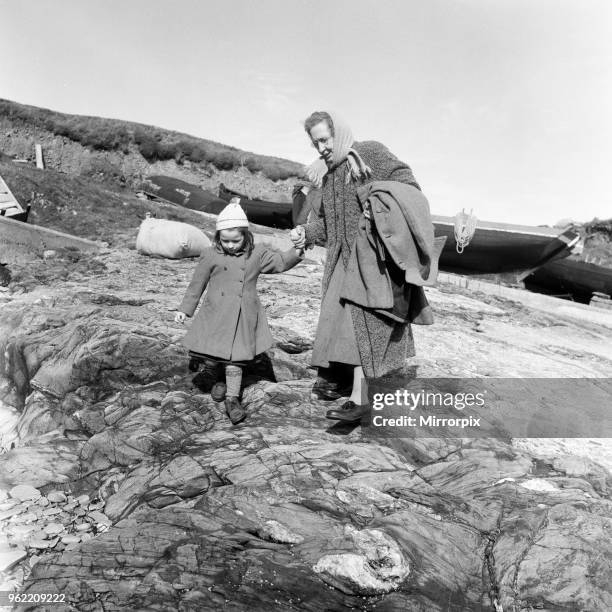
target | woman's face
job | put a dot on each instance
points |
(231, 240)
(323, 141)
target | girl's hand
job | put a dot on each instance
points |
(298, 237)
(180, 317)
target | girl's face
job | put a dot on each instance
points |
(232, 240)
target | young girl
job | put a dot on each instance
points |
(231, 326)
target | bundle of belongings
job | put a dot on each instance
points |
(395, 253)
(172, 239)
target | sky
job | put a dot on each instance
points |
(500, 106)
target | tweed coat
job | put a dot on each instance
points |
(231, 322)
(383, 343)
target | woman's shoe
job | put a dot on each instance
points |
(234, 410)
(329, 391)
(218, 391)
(349, 412)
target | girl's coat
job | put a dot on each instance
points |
(231, 323)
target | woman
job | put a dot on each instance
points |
(360, 338)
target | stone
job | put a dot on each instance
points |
(99, 517)
(42, 543)
(24, 493)
(54, 528)
(83, 500)
(275, 531)
(71, 539)
(379, 567)
(82, 527)
(52, 511)
(56, 497)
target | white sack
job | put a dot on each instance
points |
(172, 239)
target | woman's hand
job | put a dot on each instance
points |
(180, 317)
(298, 237)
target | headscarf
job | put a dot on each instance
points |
(342, 152)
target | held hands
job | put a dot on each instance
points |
(180, 317)
(298, 237)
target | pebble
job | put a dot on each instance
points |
(52, 511)
(97, 506)
(43, 501)
(19, 531)
(70, 505)
(71, 539)
(86, 536)
(4, 514)
(28, 517)
(49, 254)
(40, 543)
(33, 560)
(24, 492)
(80, 512)
(99, 517)
(54, 528)
(3, 495)
(8, 504)
(56, 497)
(83, 527)
(83, 500)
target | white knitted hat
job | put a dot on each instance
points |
(232, 216)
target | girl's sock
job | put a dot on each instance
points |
(233, 380)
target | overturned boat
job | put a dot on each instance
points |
(278, 215)
(182, 193)
(497, 248)
(571, 277)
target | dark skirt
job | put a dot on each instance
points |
(203, 357)
(335, 340)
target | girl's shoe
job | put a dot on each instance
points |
(234, 410)
(218, 391)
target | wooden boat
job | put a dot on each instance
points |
(503, 247)
(185, 194)
(571, 276)
(495, 248)
(271, 214)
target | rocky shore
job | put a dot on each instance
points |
(125, 487)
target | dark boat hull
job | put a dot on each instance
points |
(184, 194)
(278, 215)
(571, 276)
(501, 247)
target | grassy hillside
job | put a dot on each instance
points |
(154, 144)
(77, 206)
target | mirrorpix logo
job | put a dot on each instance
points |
(395, 404)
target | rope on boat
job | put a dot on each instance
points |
(465, 226)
